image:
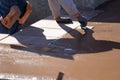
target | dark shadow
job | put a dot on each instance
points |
(73, 32)
(89, 44)
(27, 37)
(111, 12)
(67, 47)
(64, 47)
(4, 79)
(83, 44)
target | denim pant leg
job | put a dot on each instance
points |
(3, 29)
(16, 27)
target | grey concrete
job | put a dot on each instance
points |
(92, 4)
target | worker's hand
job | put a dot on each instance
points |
(11, 17)
(27, 13)
(6, 20)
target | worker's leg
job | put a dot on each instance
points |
(55, 8)
(3, 29)
(71, 9)
(69, 6)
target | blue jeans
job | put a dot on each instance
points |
(14, 29)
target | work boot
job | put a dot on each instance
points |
(83, 21)
(64, 20)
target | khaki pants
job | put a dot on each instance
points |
(68, 6)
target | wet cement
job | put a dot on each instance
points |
(76, 56)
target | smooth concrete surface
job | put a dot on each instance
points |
(40, 33)
(75, 56)
(2, 36)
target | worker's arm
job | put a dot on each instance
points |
(11, 17)
(27, 13)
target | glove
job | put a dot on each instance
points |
(11, 17)
(27, 13)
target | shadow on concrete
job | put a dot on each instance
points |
(111, 12)
(81, 44)
(90, 45)
(31, 40)
(67, 47)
